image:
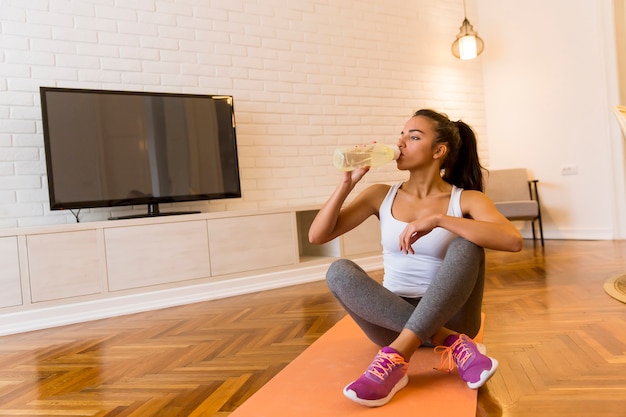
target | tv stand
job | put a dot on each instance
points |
(153, 211)
(69, 273)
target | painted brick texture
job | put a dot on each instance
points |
(306, 76)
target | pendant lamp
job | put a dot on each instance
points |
(468, 45)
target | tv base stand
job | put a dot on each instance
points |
(153, 211)
(158, 214)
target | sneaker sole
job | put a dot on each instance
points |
(484, 376)
(381, 401)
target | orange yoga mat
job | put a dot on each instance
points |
(312, 384)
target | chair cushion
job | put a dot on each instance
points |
(518, 210)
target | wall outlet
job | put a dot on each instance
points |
(569, 169)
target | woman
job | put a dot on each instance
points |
(434, 227)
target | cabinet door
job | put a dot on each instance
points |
(63, 265)
(241, 244)
(11, 294)
(364, 239)
(140, 256)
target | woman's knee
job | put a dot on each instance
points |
(461, 247)
(463, 259)
(341, 272)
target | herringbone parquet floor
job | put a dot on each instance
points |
(560, 339)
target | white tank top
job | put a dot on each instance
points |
(409, 275)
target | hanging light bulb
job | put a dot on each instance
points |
(468, 45)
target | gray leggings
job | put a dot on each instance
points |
(453, 299)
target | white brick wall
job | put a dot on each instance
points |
(306, 76)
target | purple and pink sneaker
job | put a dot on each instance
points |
(474, 366)
(379, 383)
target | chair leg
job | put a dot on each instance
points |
(532, 187)
(540, 228)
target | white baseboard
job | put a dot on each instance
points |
(61, 315)
(571, 233)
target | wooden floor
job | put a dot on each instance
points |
(560, 340)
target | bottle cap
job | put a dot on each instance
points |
(339, 159)
(396, 151)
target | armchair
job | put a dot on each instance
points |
(515, 196)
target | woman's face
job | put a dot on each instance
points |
(416, 143)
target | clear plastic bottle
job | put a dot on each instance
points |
(358, 156)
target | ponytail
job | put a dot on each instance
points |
(466, 171)
(461, 166)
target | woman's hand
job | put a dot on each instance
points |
(351, 178)
(415, 230)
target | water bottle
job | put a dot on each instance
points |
(358, 156)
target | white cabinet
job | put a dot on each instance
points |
(86, 270)
(11, 294)
(63, 265)
(248, 243)
(145, 255)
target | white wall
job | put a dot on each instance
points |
(550, 87)
(306, 76)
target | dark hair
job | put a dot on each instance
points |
(461, 166)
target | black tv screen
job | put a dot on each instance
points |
(119, 148)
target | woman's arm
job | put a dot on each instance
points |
(484, 226)
(333, 220)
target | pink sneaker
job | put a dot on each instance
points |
(380, 382)
(475, 367)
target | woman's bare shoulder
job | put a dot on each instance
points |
(475, 202)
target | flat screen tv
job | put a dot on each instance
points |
(119, 148)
